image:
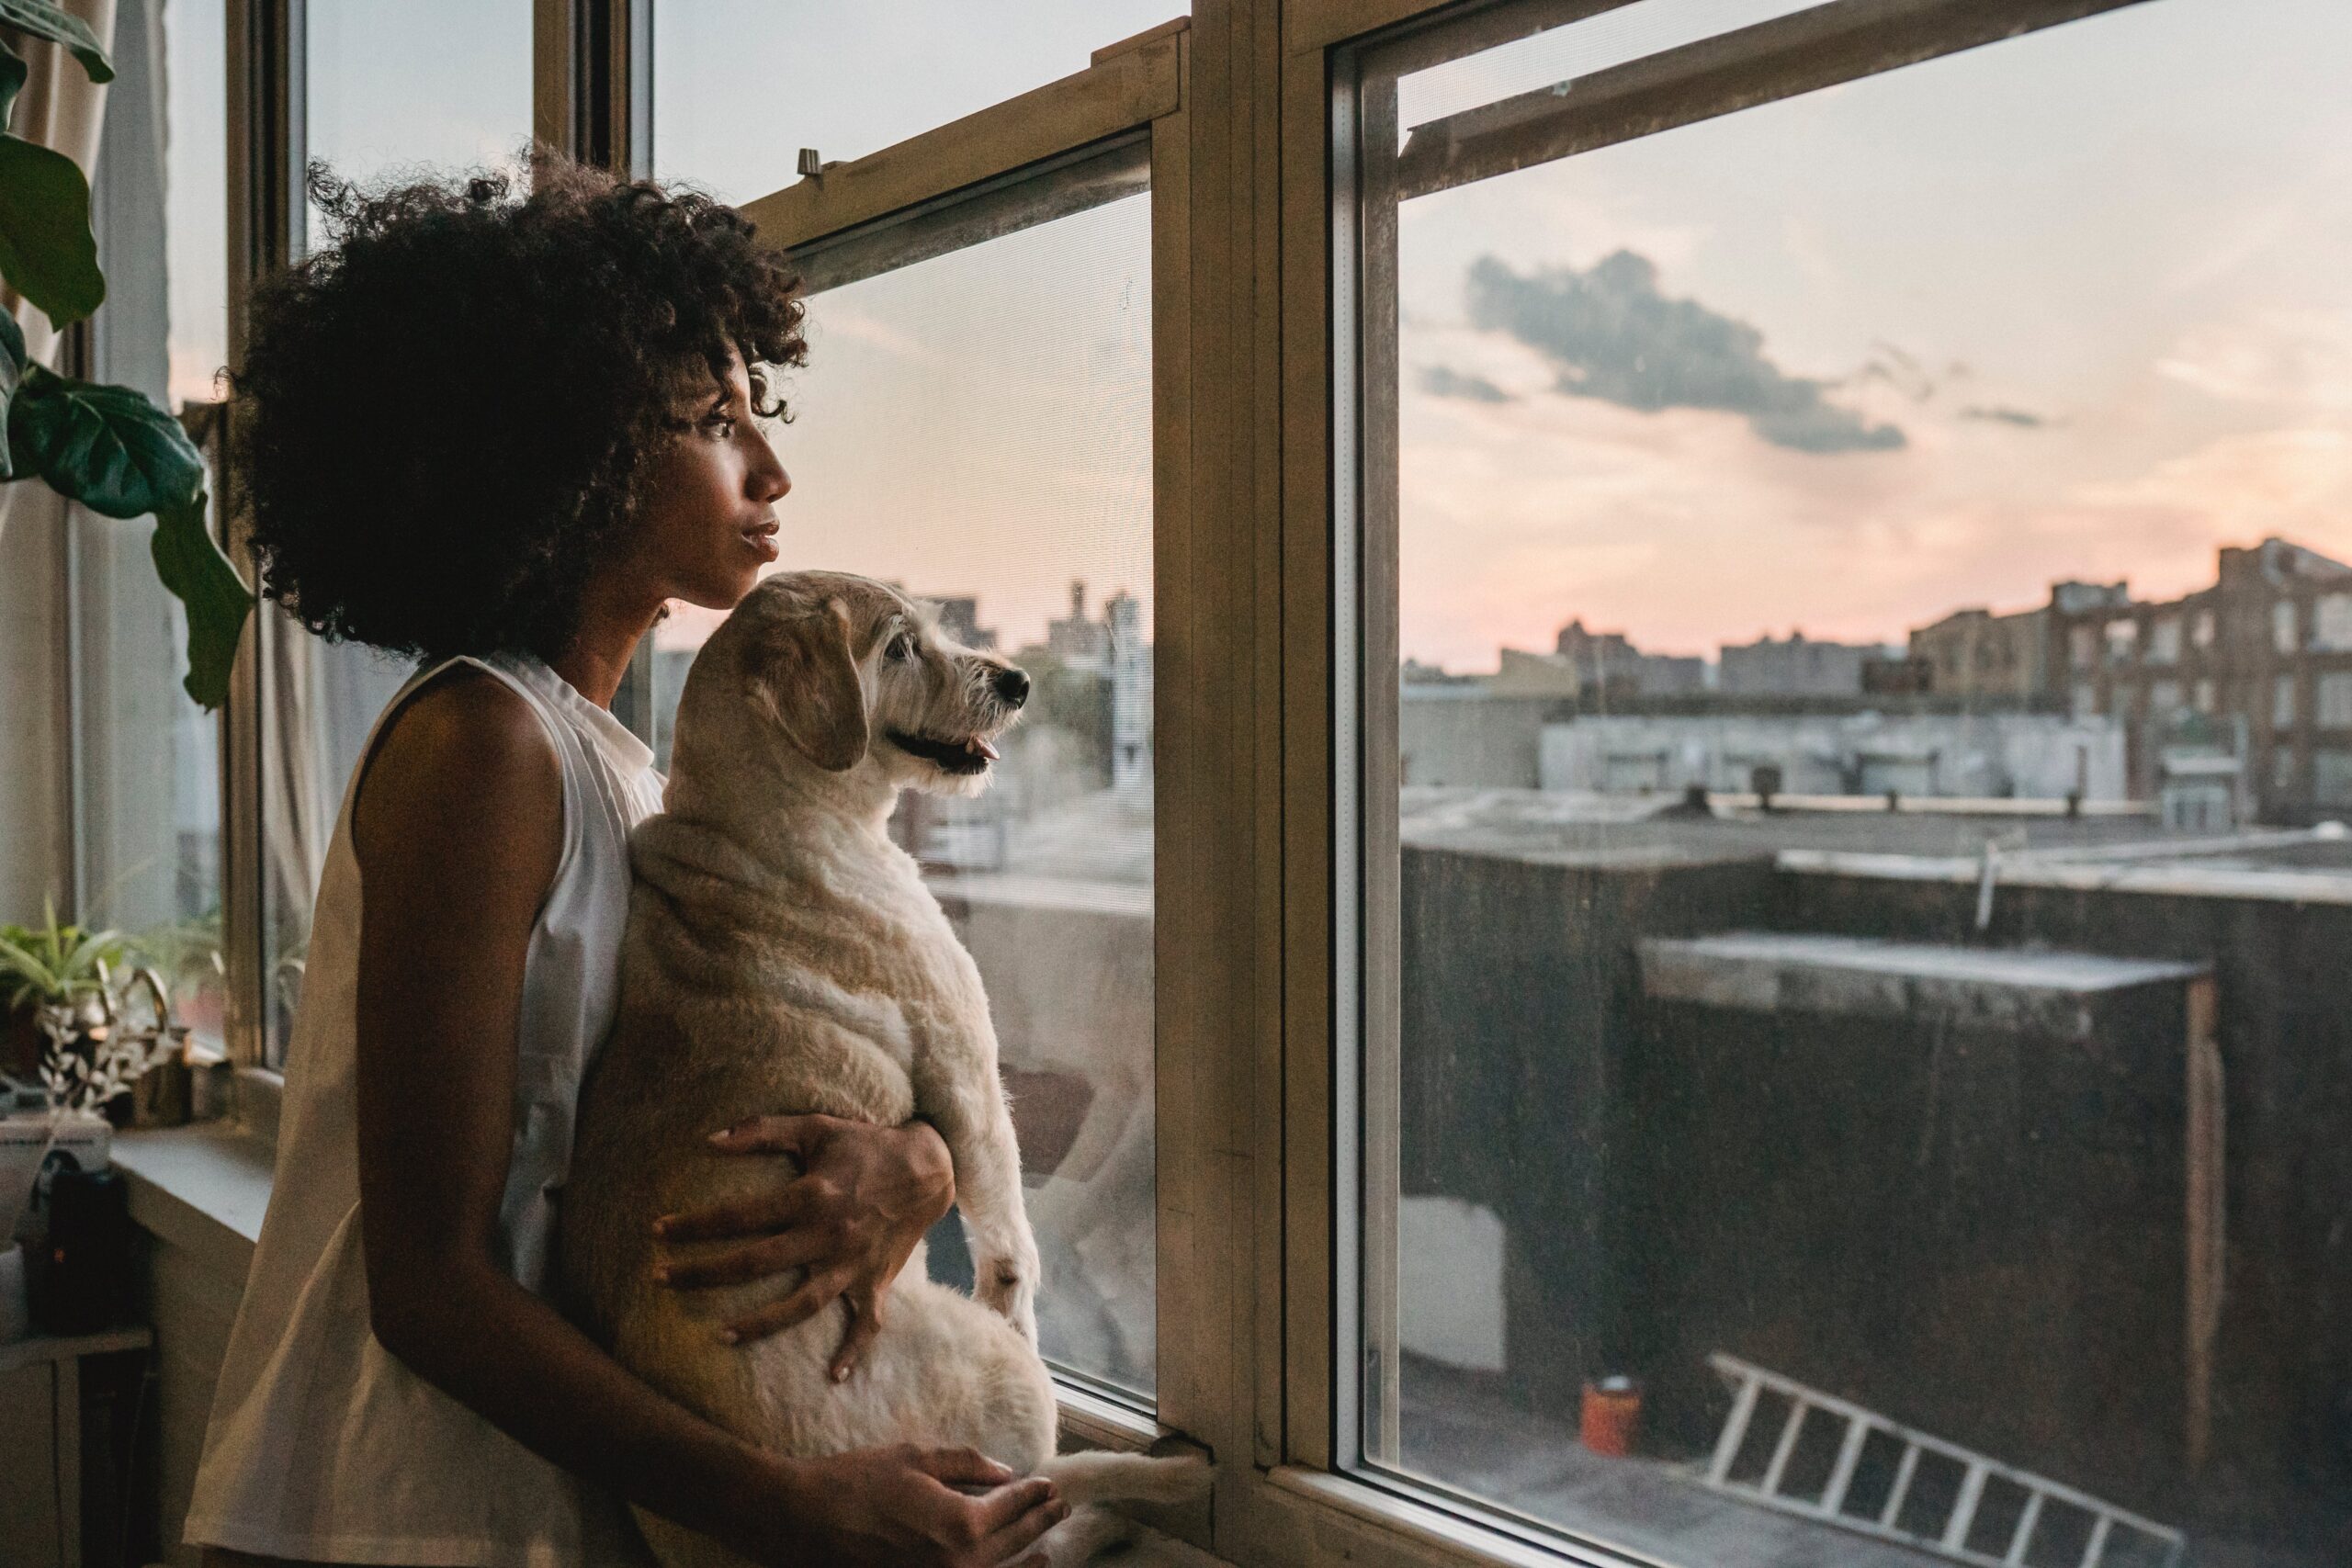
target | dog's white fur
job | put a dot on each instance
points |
(783, 955)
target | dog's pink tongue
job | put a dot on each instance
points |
(984, 749)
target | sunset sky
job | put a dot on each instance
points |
(2075, 305)
(2079, 304)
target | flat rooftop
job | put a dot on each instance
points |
(1873, 977)
(1631, 832)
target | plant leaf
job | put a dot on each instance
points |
(89, 949)
(42, 18)
(108, 448)
(13, 71)
(28, 971)
(192, 568)
(46, 250)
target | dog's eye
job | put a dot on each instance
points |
(902, 647)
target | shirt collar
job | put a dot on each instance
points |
(619, 744)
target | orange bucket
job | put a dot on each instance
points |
(1612, 1413)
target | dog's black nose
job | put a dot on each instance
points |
(1013, 686)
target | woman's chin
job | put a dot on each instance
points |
(720, 593)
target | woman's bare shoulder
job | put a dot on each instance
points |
(466, 760)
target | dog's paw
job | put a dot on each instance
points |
(1009, 1290)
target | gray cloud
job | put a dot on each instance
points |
(2017, 417)
(1443, 381)
(1613, 336)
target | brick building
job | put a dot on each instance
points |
(1796, 667)
(2259, 665)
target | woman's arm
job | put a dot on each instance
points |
(862, 1200)
(459, 829)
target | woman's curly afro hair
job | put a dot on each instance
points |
(442, 416)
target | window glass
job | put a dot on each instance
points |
(146, 759)
(2332, 775)
(2336, 700)
(1814, 1058)
(1020, 370)
(427, 86)
(429, 89)
(2332, 621)
(739, 86)
(195, 176)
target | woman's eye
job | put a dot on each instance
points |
(721, 425)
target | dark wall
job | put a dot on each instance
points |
(1526, 1088)
(2283, 1398)
(1975, 1231)
(1515, 1029)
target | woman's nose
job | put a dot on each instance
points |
(767, 480)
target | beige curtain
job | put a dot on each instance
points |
(60, 107)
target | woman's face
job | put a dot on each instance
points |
(711, 498)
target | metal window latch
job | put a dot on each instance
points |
(810, 165)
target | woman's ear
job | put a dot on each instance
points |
(806, 675)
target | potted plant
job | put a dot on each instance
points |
(56, 972)
(108, 448)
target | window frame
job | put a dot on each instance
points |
(1320, 1503)
(1026, 161)
(1257, 465)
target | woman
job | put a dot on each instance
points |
(497, 435)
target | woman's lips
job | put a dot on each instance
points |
(761, 537)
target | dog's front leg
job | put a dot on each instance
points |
(957, 1087)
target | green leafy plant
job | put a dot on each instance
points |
(56, 965)
(106, 447)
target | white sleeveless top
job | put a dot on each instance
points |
(322, 1447)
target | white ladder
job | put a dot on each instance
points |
(2110, 1528)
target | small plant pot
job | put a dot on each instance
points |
(1612, 1417)
(21, 1044)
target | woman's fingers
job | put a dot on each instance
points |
(759, 1259)
(760, 1213)
(969, 1467)
(810, 1297)
(1011, 1540)
(795, 1135)
(864, 1323)
(1010, 1504)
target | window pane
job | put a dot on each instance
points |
(195, 180)
(426, 84)
(1852, 891)
(1020, 370)
(387, 94)
(146, 759)
(739, 86)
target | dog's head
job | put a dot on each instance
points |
(853, 675)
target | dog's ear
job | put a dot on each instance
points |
(806, 675)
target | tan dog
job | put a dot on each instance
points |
(783, 955)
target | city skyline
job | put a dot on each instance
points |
(2067, 306)
(2086, 275)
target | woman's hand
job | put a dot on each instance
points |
(901, 1507)
(862, 1200)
